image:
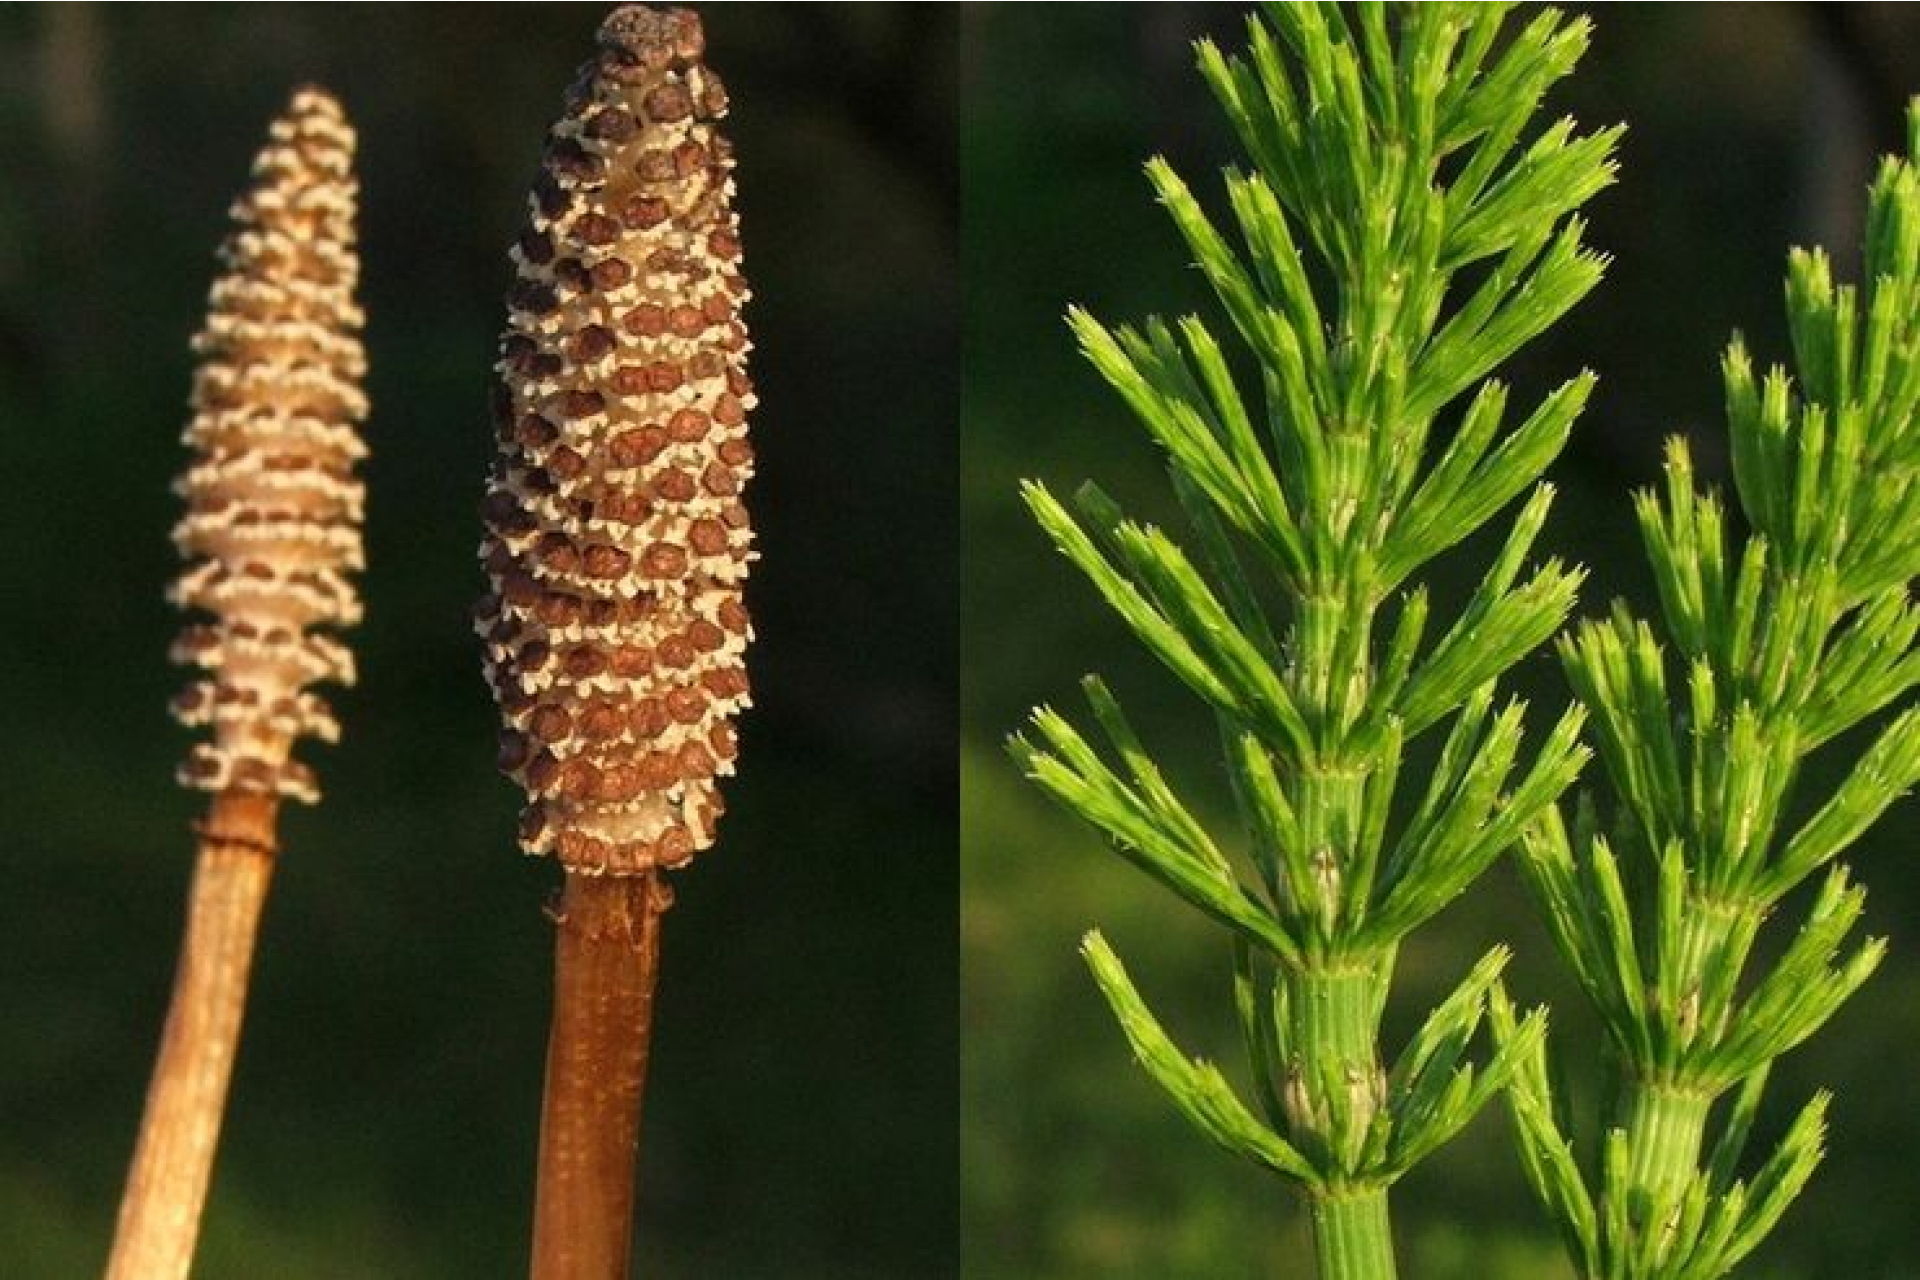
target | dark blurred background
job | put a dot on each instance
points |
(1752, 127)
(800, 1120)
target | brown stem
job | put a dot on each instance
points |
(606, 957)
(173, 1159)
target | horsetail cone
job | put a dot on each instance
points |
(272, 529)
(271, 537)
(617, 545)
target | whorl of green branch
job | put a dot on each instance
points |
(1401, 232)
(1774, 643)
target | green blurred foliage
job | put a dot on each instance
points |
(800, 1120)
(1750, 127)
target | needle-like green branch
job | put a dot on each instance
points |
(1403, 229)
(1772, 644)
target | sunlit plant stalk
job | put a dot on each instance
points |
(617, 550)
(271, 538)
(1402, 232)
(1772, 643)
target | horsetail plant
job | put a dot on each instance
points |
(271, 536)
(1784, 639)
(617, 548)
(1402, 233)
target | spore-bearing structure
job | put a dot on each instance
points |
(272, 531)
(617, 545)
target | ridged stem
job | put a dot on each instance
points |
(1352, 1237)
(606, 959)
(1333, 1033)
(166, 1188)
(1333, 1013)
(1665, 1119)
(1665, 1128)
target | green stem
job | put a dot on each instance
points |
(1665, 1126)
(1665, 1118)
(1333, 1090)
(1336, 1017)
(1335, 1084)
(1352, 1237)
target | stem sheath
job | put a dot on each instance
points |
(606, 959)
(173, 1159)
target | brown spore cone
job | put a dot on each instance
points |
(617, 546)
(272, 531)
